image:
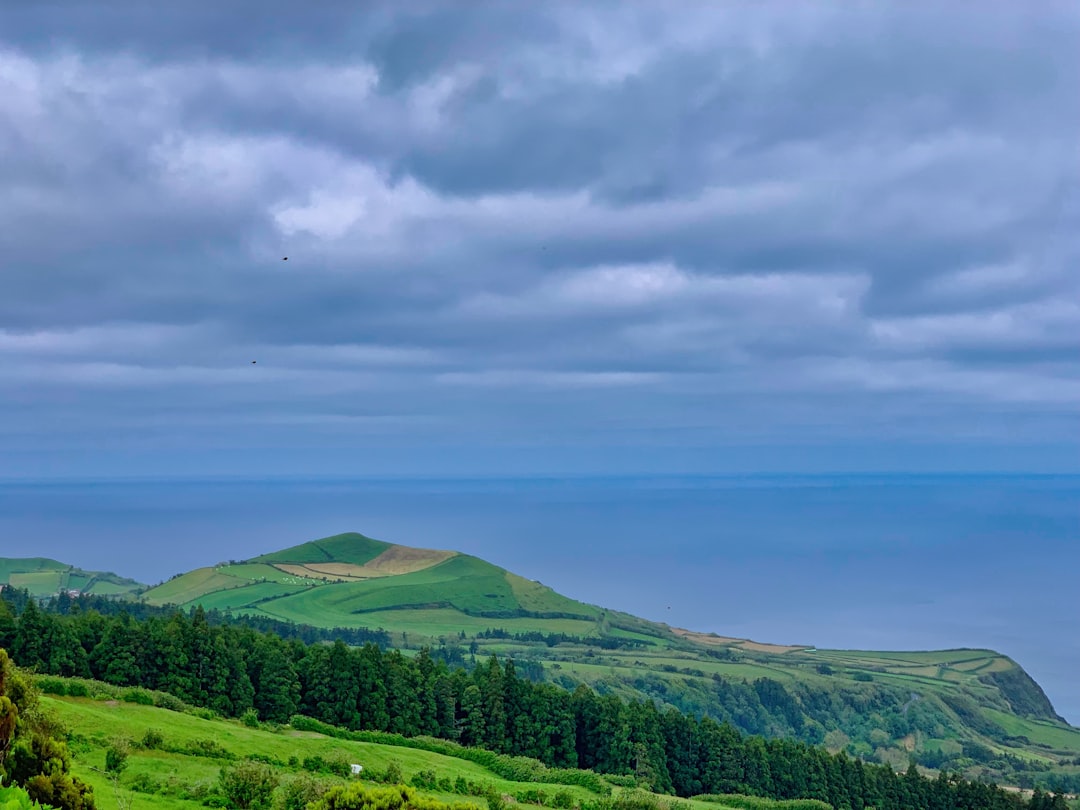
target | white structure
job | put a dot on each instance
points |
(356, 769)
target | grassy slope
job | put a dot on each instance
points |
(96, 723)
(460, 592)
(466, 594)
(45, 577)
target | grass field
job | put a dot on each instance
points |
(45, 577)
(1056, 736)
(343, 548)
(180, 778)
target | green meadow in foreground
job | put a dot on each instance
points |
(174, 760)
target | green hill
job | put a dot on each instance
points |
(45, 577)
(975, 710)
(352, 580)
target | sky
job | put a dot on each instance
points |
(531, 238)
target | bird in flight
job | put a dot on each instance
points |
(284, 258)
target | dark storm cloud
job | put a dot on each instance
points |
(537, 222)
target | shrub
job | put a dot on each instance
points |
(52, 686)
(358, 797)
(153, 739)
(394, 775)
(302, 790)
(116, 757)
(250, 718)
(163, 700)
(425, 780)
(143, 783)
(247, 784)
(143, 697)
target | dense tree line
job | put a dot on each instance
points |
(555, 639)
(65, 604)
(233, 669)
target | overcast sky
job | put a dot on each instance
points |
(538, 237)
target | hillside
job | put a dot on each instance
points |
(352, 580)
(971, 710)
(172, 755)
(45, 577)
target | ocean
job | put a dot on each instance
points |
(881, 562)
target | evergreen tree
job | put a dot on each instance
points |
(7, 625)
(277, 693)
(28, 648)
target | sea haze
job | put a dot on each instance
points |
(883, 562)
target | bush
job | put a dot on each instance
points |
(531, 796)
(302, 790)
(153, 739)
(250, 718)
(143, 783)
(163, 700)
(425, 780)
(562, 799)
(52, 686)
(247, 785)
(143, 697)
(394, 775)
(116, 758)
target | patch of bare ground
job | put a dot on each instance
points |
(395, 560)
(346, 571)
(727, 641)
(405, 560)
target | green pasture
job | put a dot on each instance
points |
(96, 724)
(246, 595)
(1058, 737)
(343, 548)
(190, 586)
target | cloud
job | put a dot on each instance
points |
(547, 221)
